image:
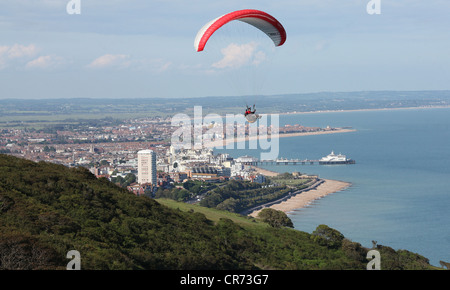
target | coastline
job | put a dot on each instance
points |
(366, 110)
(225, 142)
(302, 200)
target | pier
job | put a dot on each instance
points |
(247, 160)
(287, 162)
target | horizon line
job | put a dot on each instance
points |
(222, 96)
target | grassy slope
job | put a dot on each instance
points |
(213, 214)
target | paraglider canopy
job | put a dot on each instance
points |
(263, 21)
(259, 19)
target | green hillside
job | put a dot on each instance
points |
(47, 210)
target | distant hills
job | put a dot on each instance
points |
(30, 109)
(47, 210)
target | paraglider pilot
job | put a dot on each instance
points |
(249, 111)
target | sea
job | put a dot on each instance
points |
(400, 184)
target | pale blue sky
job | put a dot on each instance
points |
(144, 48)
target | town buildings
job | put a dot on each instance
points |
(138, 147)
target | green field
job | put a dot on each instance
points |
(291, 182)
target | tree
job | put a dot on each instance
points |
(326, 236)
(229, 204)
(275, 218)
(104, 163)
(129, 179)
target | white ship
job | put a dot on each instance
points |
(335, 159)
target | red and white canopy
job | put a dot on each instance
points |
(259, 19)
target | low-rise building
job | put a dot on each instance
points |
(141, 189)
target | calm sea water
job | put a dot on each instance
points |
(400, 193)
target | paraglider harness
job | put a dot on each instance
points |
(248, 111)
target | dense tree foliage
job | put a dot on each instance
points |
(189, 190)
(124, 181)
(237, 196)
(326, 236)
(275, 218)
(177, 194)
(47, 210)
(197, 187)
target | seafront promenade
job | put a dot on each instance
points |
(301, 198)
(283, 199)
